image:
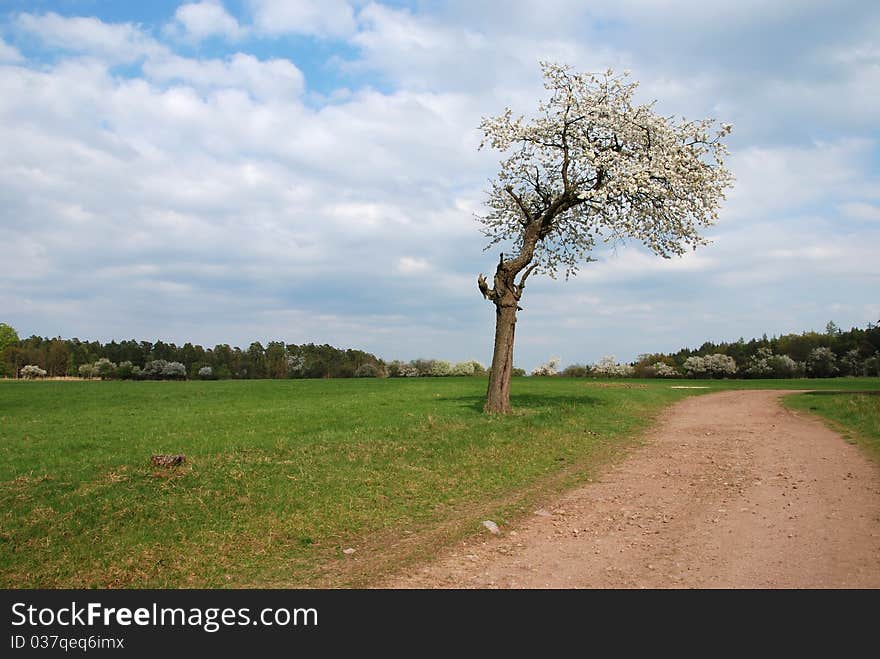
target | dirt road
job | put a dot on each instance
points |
(731, 490)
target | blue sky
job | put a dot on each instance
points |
(307, 171)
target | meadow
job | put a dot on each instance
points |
(283, 476)
(855, 415)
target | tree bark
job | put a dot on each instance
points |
(505, 296)
(498, 394)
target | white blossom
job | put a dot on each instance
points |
(104, 368)
(463, 368)
(609, 367)
(160, 369)
(549, 368)
(174, 370)
(595, 166)
(852, 362)
(295, 364)
(441, 368)
(470, 367)
(822, 363)
(367, 370)
(409, 371)
(694, 366)
(664, 370)
(716, 365)
(764, 364)
(32, 371)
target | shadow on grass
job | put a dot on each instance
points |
(532, 401)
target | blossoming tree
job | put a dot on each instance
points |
(592, 166)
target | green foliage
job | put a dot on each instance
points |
(8, 339)
(8, 336)
(125, 371)
(278, 360)
(576, 371)
(367, 371)
(822, 363)
(646, 365)
(855, 352)
(104, 369)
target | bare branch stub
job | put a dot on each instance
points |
(487, 292)
(522, 280)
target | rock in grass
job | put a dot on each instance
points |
(492, 527)
(349, 551)
(167, 460)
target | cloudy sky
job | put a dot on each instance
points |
(307, 170)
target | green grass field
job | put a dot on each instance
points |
(284, 475)
(855, 415)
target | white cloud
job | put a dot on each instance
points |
(197, 21)
(276, 78)
(775, 178)
(409, 265)
(415, 52)
(320, 18)
(705, 15)
(861, 210)
(216, 199)
(118, 42)
(196, 177)
(9, 53)
(493, 66)
(863, 54)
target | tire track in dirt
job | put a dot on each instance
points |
(730, 490)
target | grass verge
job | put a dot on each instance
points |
(855, 415)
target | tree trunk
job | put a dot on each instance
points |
(505, 295)
(498, 395)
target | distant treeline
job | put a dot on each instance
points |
(36, 357)
(831, 353)
(148, 360)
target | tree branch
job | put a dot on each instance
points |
(522, 280)
(549, 145)
(487, 292)
(566, 186)
(519, 202)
